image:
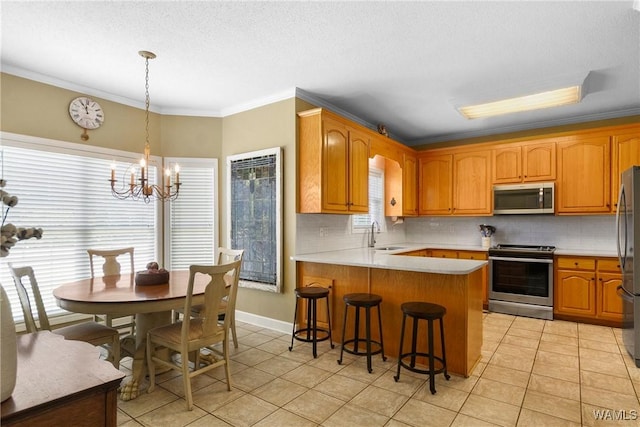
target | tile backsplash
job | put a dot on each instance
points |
(318, 232)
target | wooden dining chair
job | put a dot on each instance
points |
(91, 332)
(188, 336)
(112, 267)
(228, 306)
(225, 256)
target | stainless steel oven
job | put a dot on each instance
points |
(521, 280)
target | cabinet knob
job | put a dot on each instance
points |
(575, 263)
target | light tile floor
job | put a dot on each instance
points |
(532, 373)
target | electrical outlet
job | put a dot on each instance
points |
(324, 231)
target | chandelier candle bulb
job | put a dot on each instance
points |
(113, 172)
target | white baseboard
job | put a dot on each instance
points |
(265, 322)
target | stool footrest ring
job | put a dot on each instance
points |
(310, 332)
(418, 370)
(363, 343)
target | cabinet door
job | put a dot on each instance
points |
(539, 162)
(335, 170)
(584, 184)
(409, 186)
(435, 184)
(574, 293)
(626, 153)
(444, 253)
(358, 167)
(507, 165)
(609, 304)
(471, 183)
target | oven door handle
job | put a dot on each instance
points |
(624, 294)
(538, 260)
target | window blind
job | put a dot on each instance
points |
(192, 227)
(66, 193)
(376, 200)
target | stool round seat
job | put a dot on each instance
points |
(311, 292)
(362, 300)
(423, 310)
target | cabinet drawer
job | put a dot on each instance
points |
(443, 253)
(576, 263)
(472, 255)
(609, 264)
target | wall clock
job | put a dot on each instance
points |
(86, 113)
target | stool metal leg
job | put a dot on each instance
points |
(368, 331)
(329, 320)
(315, 327)
(404, 318)
(344, 327)
(308, 323)
(357, 330)
(295, 316)
(381, 340)
(414, 341)
(444, 356)
(432, 379)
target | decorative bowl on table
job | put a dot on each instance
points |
(152, 275)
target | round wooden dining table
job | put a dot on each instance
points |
(119, 295)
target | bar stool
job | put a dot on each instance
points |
(312, 295)
(428, 312)
(365, 301)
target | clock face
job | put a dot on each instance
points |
(86, 113)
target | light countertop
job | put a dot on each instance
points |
(393, 259)
(389, 260)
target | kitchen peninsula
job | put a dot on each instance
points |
(453, 283)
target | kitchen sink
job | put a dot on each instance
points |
(389, 248)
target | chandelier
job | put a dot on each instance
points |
(139, 186)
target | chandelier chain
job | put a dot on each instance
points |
(140, 187)
(147, 100)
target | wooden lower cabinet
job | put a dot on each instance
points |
(585, 290)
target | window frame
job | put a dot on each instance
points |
(355, 228)
(8, 139)
(277, 151)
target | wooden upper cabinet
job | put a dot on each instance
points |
(507, 165)
(472, 183)
(584, 176)
(333, 164)
(410, 185)
(539, 162)
(436, 184)
(358, 166)
(625, 153)
(457, 183)
(527, 162)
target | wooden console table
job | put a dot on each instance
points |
(61, 382)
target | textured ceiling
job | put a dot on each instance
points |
(404, 64)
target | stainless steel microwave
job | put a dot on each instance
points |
(518, 199)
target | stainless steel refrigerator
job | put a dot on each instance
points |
(628, 240)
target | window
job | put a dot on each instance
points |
(362, 223)
(254, 216)
(191, 222)
(64, 189)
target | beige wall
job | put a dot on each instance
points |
(31, 108)
(270, 126)
(36, 109)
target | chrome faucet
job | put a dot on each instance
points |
(372, 239)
